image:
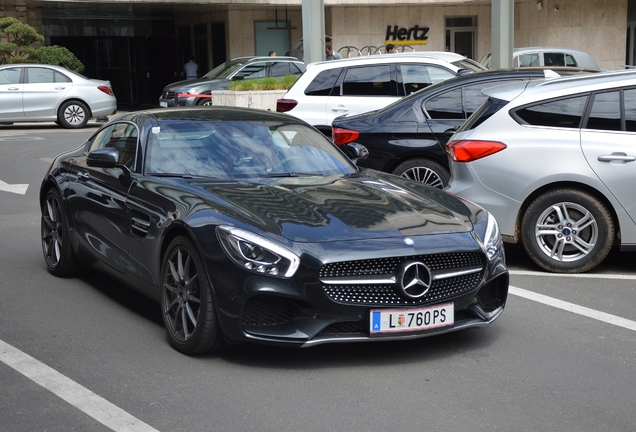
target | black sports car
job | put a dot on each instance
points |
(407, 138)
(251, 226)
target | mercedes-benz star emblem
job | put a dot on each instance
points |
(415, 279)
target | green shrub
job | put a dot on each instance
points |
(61, 56)
(271, 83)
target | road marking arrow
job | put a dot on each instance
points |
(17, 188)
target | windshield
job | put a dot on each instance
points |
(470, 65)
(229, 150)
(225, 70)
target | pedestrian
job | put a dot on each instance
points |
(330, 54)
(191, 69)
(272, 53)
(391, 49)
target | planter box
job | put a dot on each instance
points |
(263, 99)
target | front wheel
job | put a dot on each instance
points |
(73, 115)
(424, 171)
(56, 245)
(187, 304)
(567, 231)
(205, 101)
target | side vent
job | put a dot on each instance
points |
(140, 224)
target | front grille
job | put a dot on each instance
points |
(168, 95)
(493, 294)
(268, 311)
(386, 294)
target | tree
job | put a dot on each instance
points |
(18, 37)
(16, 48)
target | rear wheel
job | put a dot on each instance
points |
(424, 171)
(73, 115)
(187, 304)
(567, 231)
(56, 246)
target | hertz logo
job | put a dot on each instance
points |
(401, 36)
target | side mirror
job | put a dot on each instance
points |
(358, 151)
(103, 158)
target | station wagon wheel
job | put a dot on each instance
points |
(73, 115)
(424, 171)
(187, 305)
(567, 231)
(56, 246)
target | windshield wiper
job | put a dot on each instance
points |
(289, 174)
(179, 175)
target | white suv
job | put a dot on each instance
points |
(354, 85)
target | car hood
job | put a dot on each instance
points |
(216, 84)
(337, 208)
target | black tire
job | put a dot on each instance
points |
(56, 245)
(551, 235)
(204, 102)
(424, 171)
(73, 115)
(187, 303)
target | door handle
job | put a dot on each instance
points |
(83, 176)
(340, 108)
(616, 157)
(60, 88)
(13, 88)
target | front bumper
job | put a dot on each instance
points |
(305, 311)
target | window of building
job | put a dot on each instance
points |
(461, 35)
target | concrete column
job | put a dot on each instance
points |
(503, 29)
(313, 30)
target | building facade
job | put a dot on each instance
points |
(141, 46)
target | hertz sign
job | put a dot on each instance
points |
(416, 35)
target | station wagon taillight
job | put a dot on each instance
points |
(284, 105)
(342, 136)
(471, 150)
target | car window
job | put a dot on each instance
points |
(45, 75)
(447, 105)
(570, 60)
(525, 60)
(418, 76)
(323, 83)
(253, 70)
(277, 69)
(367, 81)
(473, 98)
(630, 110)
(10, 76)
(483, 113)
(565, 113)
(554, 59)
(297, 68)
(606, 112)
(120, 136)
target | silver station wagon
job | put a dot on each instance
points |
(555, 163)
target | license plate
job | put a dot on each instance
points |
(408, 320)
(163, 104)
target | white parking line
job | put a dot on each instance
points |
(80, 397)
(574, 308)
(573, 275)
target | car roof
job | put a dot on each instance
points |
(432, 56)
(210, 113)
(536, 90)
(266, 58)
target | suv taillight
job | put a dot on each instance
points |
(106, 90)
(284, 105)
(341, 136)
(471, 150)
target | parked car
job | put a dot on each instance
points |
(197, 91)
(547, 56)
(554, 161)
(408, 137)
(45, 93)
(350, 86)
(251, 226)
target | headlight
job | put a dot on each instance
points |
(492, 238)
(254, 253)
